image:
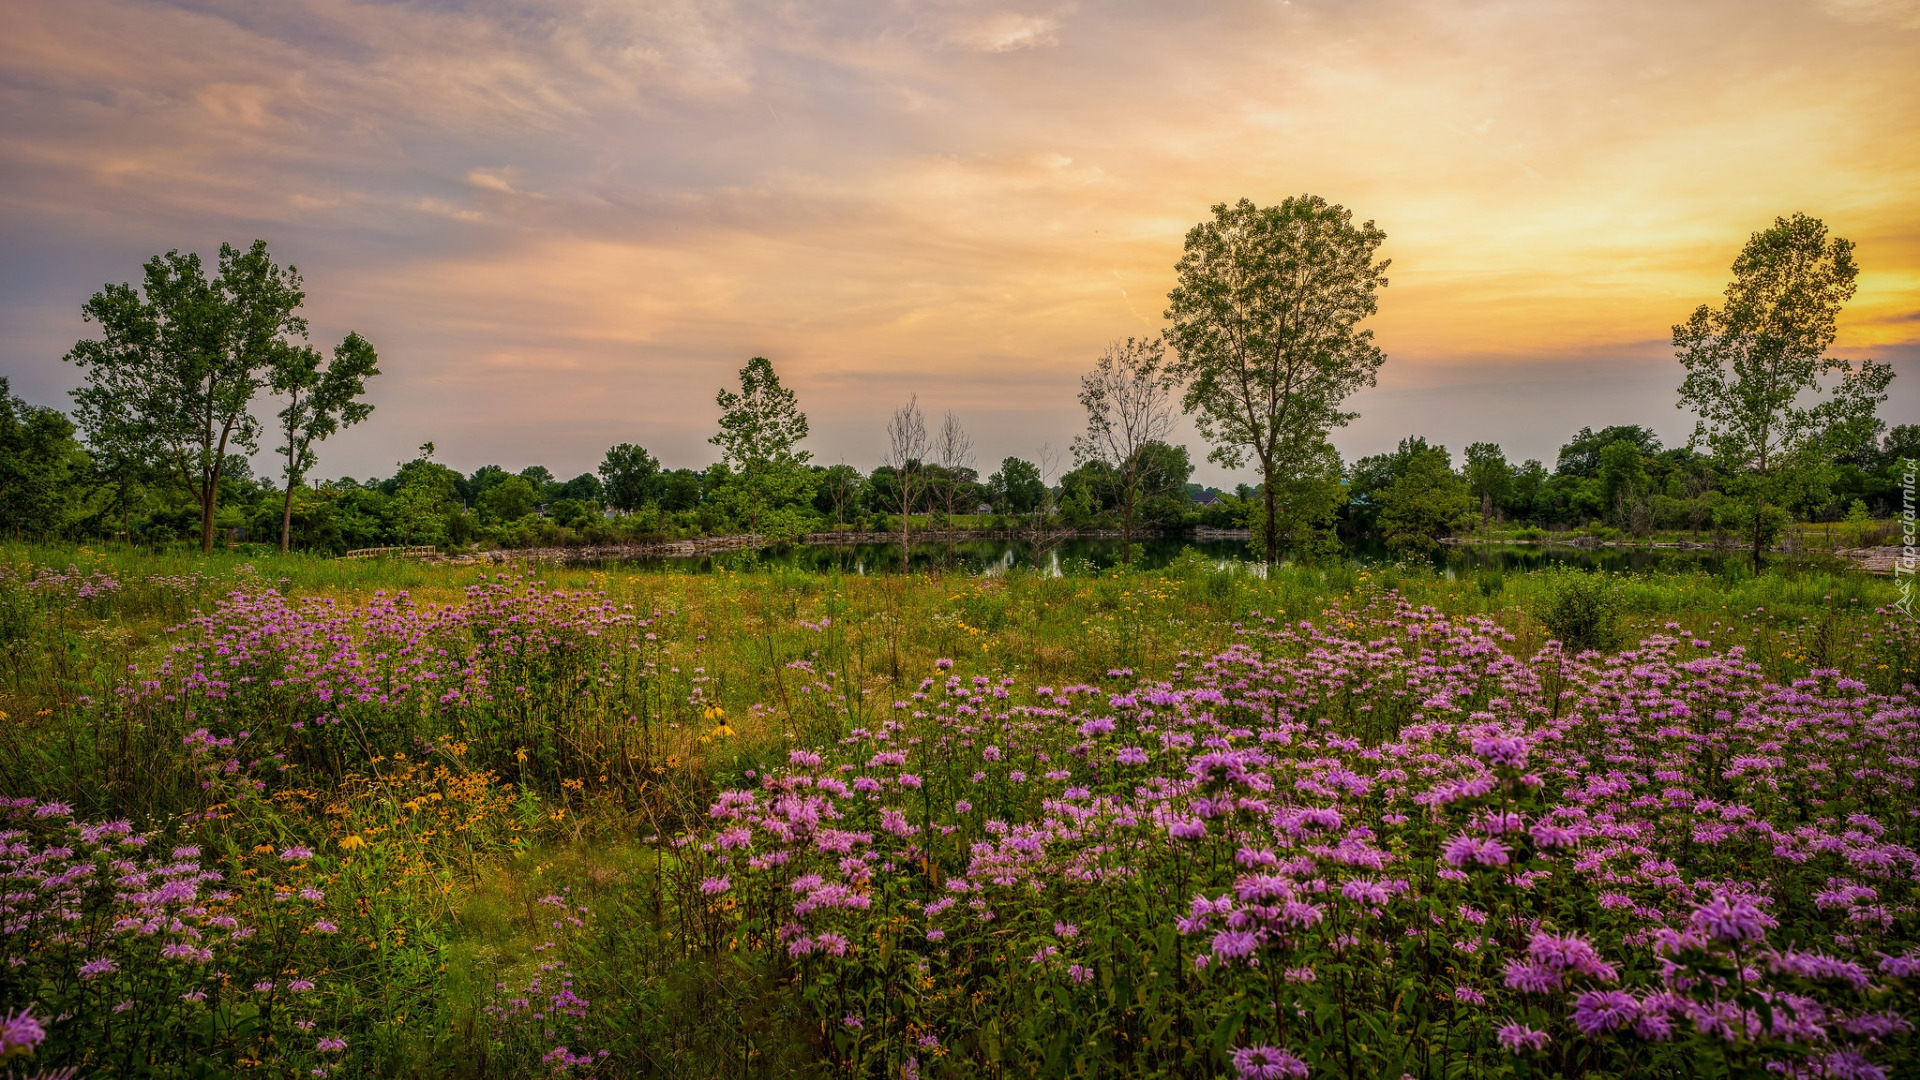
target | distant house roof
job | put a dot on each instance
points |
(984, 509)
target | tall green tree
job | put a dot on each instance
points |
(1129, 401)
(1266, 316)
(320, 401)
(1623, 479)
(1758, 377)
(1489, 477)
(38, 458)
(838, 491)
(1580, 456)
(181, 364)
(1425, 502)
(1017, 488)
(626, 477)
(761, 427)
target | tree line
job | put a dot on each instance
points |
(1263, 348)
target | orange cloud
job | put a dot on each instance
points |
(567, 226)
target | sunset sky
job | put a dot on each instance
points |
(566, 224)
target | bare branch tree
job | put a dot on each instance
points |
(1129, 401)
(906, 450)
(1047, 463)
(954, 448)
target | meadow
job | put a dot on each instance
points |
(278, 816)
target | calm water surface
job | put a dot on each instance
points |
(999, 556)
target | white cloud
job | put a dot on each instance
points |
(1901, 13)
(1007, 32)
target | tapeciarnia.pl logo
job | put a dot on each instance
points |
(1903, 564)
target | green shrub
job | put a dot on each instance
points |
(1581, 609)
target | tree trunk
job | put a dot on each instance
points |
(1273, 524)
(207, 498)
(286, 519)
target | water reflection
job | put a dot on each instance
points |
(991, 557)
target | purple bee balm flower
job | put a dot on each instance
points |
(295, 854)
(715, 885)
(1731, 920)
(93, 969)
(331, 1045)
(1502, 751)
(1598, 1012)
(1517, 1037)
(1530, 977)
(1234, 944)
(19, 1032)
(1268, 1063)
(1464, 850)
(1847, 1065)
(1570, 952)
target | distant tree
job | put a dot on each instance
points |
(680, 490)
(539, 476)
(627, 477)
(1129, 401)
(761, 426)
(38, 459)
(319, 403)
(1017, 487)
(1527, 489)
(1425, 502)
(511, 499)
(1754, 365)
(424, 499)
(1489, 477)
(1163, 470)
(1369, 479)
(906, 453)
(483, 479)
(1580, 456)
(1265, 321)
(1623, 478)
(582, 489)
(180, 365)
(840, 487)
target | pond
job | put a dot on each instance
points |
(999, 556)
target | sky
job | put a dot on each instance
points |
(566, 224)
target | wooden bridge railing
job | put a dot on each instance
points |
(414, 552)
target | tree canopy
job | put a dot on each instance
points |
(1758, 377)
(1265, 321)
